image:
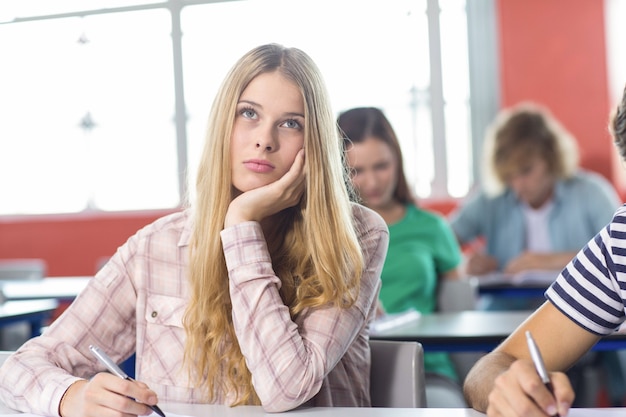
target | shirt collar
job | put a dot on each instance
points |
(185, 236)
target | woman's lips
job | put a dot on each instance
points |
(258, 165)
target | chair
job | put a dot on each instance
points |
(459, 295)
(22, 269)
(397, 374)
(453, 296)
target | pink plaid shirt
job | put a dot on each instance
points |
(136, 303)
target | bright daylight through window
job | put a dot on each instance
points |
(102, 119)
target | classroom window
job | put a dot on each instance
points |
(103, 119)
(87, 114)
(616, 33)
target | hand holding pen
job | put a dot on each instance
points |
(116, 370)
(540, 366)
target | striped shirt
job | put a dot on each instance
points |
(591, 290)
(137, 301)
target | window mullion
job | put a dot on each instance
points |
(483, 71)
(179, 91)
(440, 179)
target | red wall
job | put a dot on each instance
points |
(551, 51)
(71, 245)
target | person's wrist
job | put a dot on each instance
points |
(236, 215)
(233, 219)
(66, 399)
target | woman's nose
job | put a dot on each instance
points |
(266, 139)
(367, 180)
(267, 146)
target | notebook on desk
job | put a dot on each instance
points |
(389, 321)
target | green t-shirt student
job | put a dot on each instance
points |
(421, 248)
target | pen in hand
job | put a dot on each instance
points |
(116, 370)
(535, 354)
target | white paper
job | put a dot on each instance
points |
(390, 321)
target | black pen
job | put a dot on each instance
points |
(535, 354)
(116, 370)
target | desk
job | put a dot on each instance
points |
(250, 411)
(218, 411)
(470, 331)
(522, 284)
(203, 410)
(60, 288)
(35, 312)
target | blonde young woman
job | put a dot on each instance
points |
(243, 298)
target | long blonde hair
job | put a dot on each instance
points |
(314, 270)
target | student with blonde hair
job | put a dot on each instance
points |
(242, 298)
(587, 301)
(537, 208)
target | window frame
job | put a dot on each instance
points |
(483, 80)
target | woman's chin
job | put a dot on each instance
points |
(249, 186)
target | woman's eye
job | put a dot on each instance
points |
(248, 113)
(292, 124)
(382, 166)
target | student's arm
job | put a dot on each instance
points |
(37, 377)
(446, 250)
(289, 359)
(467, 221)
(505, 383)
(479, 263)
(533, 260)
(452, 274)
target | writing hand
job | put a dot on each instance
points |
(539, 260)
(519, 391)
(480, 263)
(103, 394)
(262, 202)
(525, 262)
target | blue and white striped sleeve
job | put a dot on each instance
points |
(591, 288)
